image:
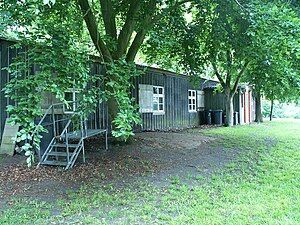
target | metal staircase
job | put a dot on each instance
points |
(61, 152)
(64, 148)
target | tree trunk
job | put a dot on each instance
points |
(112, 110)
(229, 109)
(271, 110)
(258, 113)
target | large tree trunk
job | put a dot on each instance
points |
(258, 113)
(112, 110)
(229, 109)
(271, 110)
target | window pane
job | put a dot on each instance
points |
(160, 90)
(161, 100)
(194, 101)
(69, 96)
(194, 94)
(154, 90)
(190, 101)
(161, 107)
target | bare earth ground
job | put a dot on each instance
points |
(155, 157)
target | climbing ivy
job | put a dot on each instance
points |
(120, 74)
(38, 69)
(51, 60)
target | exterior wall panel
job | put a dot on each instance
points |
(176, 114)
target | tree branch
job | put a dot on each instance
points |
(135, 45)
(218, 75)
(237, 81)
(229, 64)
(109, 18)
(91, 23)
(140, 36)
(128, 28)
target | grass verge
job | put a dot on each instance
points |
(261, 187)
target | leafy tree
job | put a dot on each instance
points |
(275, 31)
(60, 34)
(236, 41)
(214, 42)
(118, 28)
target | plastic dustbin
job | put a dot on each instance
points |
(202, 119)
(224, 117)
(217, 117)
(208, 116)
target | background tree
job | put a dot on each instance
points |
(212, 41)
(224, 38)
(275, 31)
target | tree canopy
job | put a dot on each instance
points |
(255, 42)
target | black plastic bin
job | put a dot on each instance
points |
(208, 117)
(224, 117)
(217, 117)
(202, 119)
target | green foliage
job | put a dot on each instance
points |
(120, 75)
(53, 59)
(275, 31)
(49, 60)
(278, 110)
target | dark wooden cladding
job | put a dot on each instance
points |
(176, 114)
(176, 86)
(215, 100)
(7, 53)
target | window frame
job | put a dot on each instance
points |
(73, 107)
(156, 98)
(192, 107)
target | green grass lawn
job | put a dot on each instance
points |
(261, 187)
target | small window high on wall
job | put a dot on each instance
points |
(158, 100)
(192, 101)
(70, 97)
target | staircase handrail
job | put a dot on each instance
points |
(46, 113)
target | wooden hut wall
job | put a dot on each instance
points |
(214, 101)
(176, 88)
(7, 54)
(176, 114)
(217, 101)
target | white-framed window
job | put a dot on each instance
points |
(71, 97)
(158, 100)
(192, 101)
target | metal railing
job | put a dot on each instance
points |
(57, 122)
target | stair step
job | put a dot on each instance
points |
(64, 145)
(59, 154)
(54, 163)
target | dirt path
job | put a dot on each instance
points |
(153, 157)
